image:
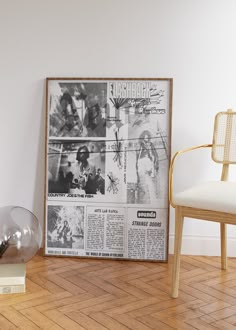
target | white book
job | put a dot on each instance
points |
(7, 289)
(12, 275)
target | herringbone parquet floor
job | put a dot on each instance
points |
(65, 293)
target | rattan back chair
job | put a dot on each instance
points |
(212, 201)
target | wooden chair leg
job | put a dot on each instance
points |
(179, 220)
(223, 241)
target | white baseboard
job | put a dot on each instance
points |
(203, 245)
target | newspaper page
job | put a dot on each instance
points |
(108, 144)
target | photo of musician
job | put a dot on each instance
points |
(147, 165)
(77, 109)
(64, 232)
(79, 168)
(72, 125)
(65, 227)
(94, 122)
(99, 182)
(147, 157)
(83, 171)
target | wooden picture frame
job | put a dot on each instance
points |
(107, 161)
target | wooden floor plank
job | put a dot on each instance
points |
(38, 318)
(103, 307)
(44, 282)
(131, 323)
(154, 308)
(129, 289)
(17, 319)
(86, 321)
(216, 306)
(86, 285)
(108, 321)
(105, 286)
(86, 303)
(73, 293)
(215, 293)
(154, 323)
(63, 320)
(132, 306)
(223, 325)
(200, 324)
(6, 324)
(223, 313)
(58, 303)
(50, 299)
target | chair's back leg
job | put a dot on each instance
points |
(223, 242)
(179, 220)
(224, 177)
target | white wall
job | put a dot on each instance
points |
(192, 41)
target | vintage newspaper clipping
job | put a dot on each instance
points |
(107, 168)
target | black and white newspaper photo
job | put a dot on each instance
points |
(108, 151)
(76, 168)
(65, 229)
(77, 109)
(148, 152)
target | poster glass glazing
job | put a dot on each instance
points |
(108, 147)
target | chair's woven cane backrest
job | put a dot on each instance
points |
(224, 138)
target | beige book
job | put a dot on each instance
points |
(12, 275)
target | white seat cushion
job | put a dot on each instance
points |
(214, 195)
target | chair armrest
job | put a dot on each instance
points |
(171, 170)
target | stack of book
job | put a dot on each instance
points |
(12, 278)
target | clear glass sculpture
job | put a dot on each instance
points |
(20, 235)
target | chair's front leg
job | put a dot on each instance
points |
(223, 242)
(179, 220)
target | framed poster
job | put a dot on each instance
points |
(108, 147)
